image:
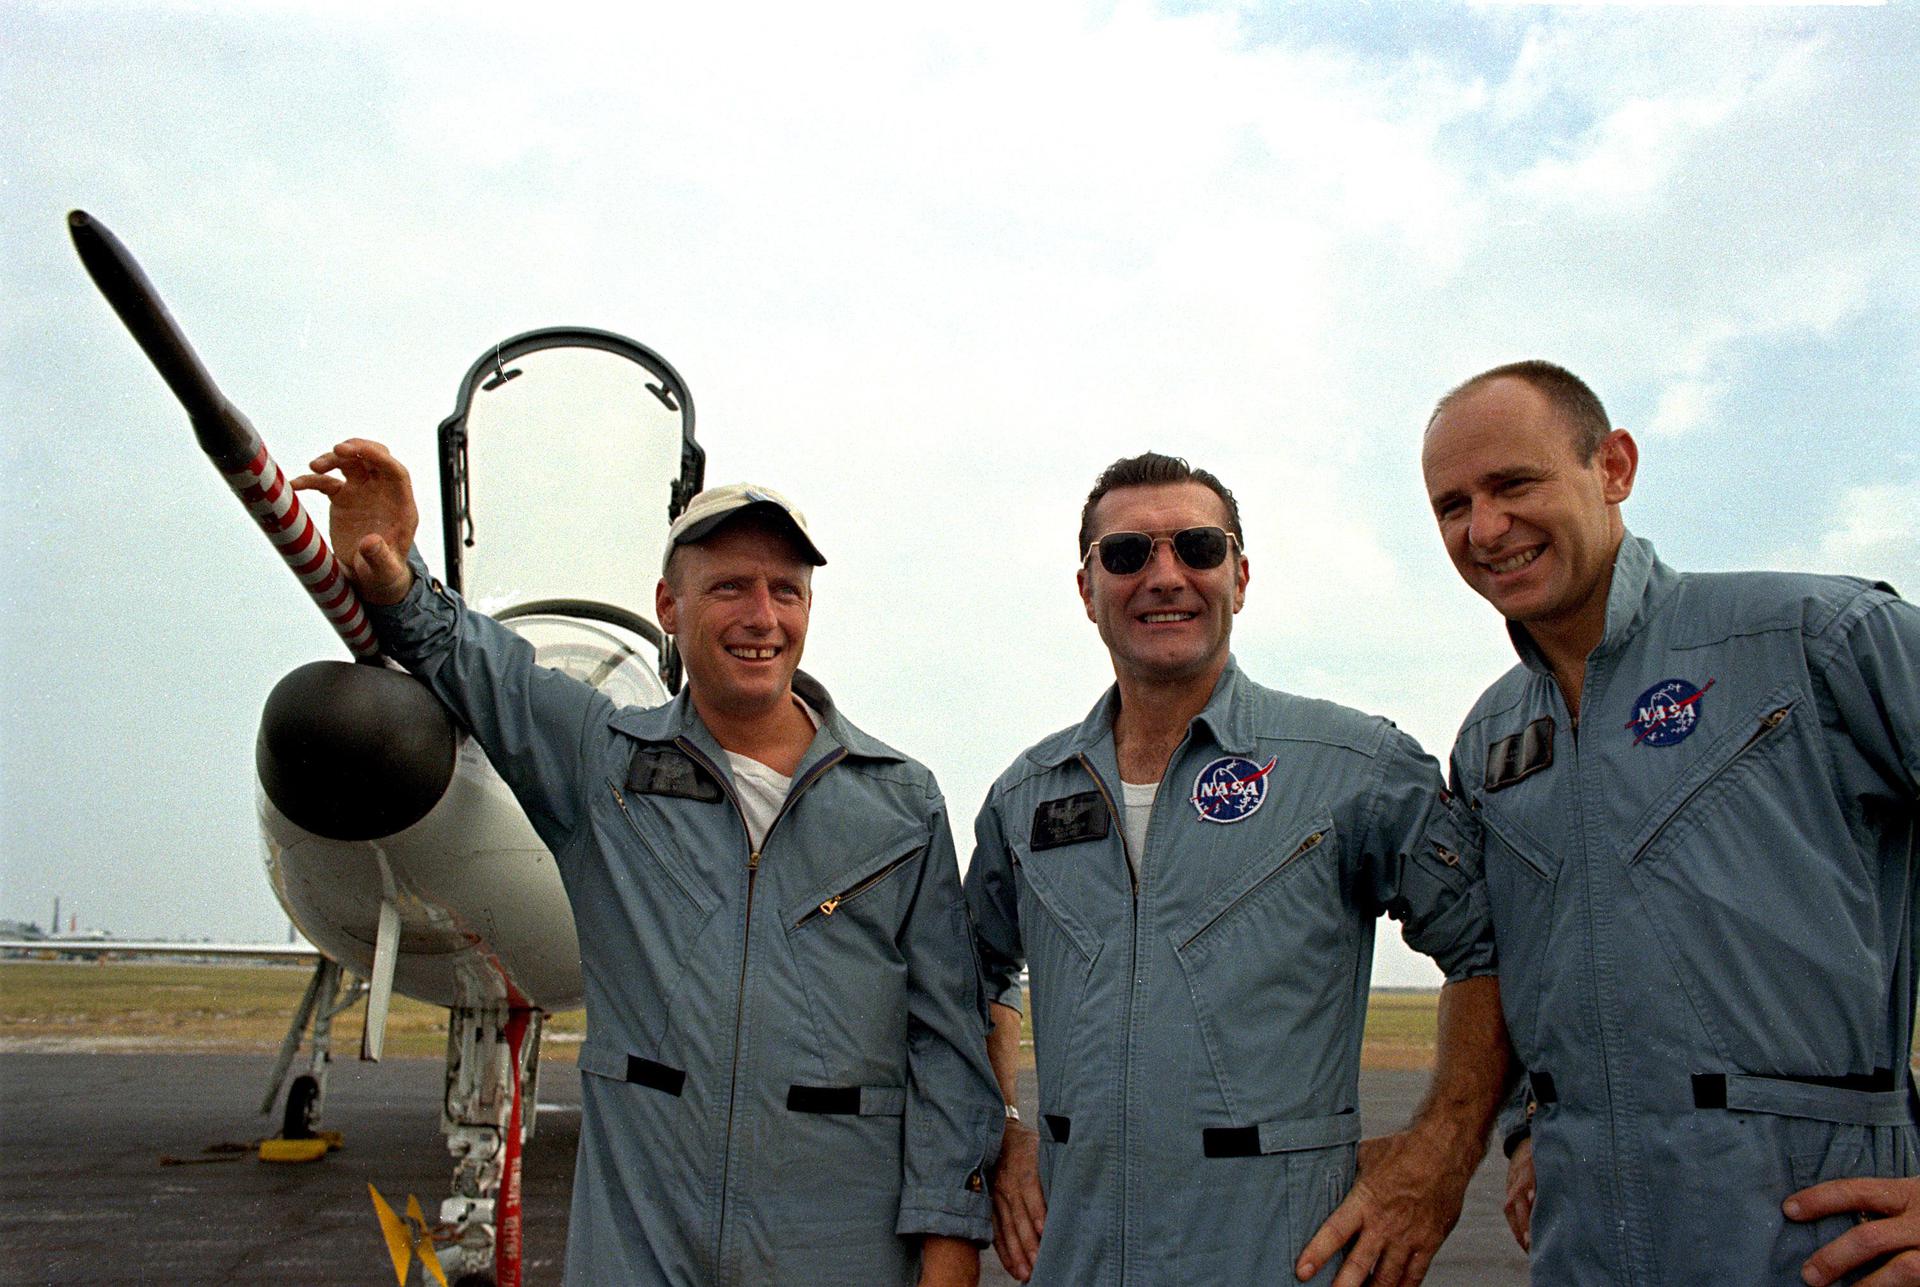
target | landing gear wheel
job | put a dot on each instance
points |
(301, 1098)
(474, 1280)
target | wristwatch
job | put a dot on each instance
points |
(1013, 1114)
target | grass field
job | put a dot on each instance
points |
(144, 1005)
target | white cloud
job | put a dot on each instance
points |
(1685, 407)
(1874, 531)
(928, 273)
(1629, 157)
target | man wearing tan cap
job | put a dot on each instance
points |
(785, 1077)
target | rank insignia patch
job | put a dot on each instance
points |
(1525, 753)
(1070, 820)
(1667, 713)
(1230, 789)
(666, 771)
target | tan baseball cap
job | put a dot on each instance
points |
(715, 506)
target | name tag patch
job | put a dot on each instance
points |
(1521, 756)
(1667, 713)
(1231, 789)
(662, 770)
(1071, 820)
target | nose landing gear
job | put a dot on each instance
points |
(493, 1063)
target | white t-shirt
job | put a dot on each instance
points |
(1138, 800)
(761, 790)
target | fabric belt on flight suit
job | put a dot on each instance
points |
(645, 1072)
(849, 1101)
(1871, 1099)
(1282, 1136)
(1285, 1135)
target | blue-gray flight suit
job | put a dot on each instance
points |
(784, 1078)
(1198, 1029)
(1706, 915)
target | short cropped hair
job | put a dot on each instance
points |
(1586, 419)
(1151, 469)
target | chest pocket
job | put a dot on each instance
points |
(641, 911)
(660, 859)
(1077, 892)
(1522, 880)
(1268, 963)
(1065, 891)
(1763, 906)
(1712, 786)
(844, 935)
(871, 892)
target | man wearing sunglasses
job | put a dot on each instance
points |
(1700, 796)
(1192, 877)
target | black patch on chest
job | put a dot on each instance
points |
(1521, 756)
(1070, 820)
(661, 770)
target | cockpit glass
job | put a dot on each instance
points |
(570, 463)
(617, 662)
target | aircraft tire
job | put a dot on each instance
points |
(302, 1095)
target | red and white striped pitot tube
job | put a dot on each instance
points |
(276, 507)
(222, 431)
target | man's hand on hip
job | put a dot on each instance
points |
(1404, 1201)
(1889, 1227)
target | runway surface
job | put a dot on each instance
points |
(84, 1197)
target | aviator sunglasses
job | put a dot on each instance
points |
(1200, 548)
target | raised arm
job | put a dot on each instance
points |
(533, 722)
(372, 516)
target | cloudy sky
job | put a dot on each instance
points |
(927, 269)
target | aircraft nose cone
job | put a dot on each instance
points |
(354, 752)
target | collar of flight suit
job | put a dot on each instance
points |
(678, 719)
(1640, 580)
(1225, 716)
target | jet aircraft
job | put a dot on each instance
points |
(389, 839)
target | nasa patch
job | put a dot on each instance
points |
(1667, 713)
(1230, 789)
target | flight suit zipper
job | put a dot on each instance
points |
(1133, 976)
(1769, 722)
(1600, 969)
(832, 905)
(1311, 843)
(794, 792)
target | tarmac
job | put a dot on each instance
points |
(106, 1177)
